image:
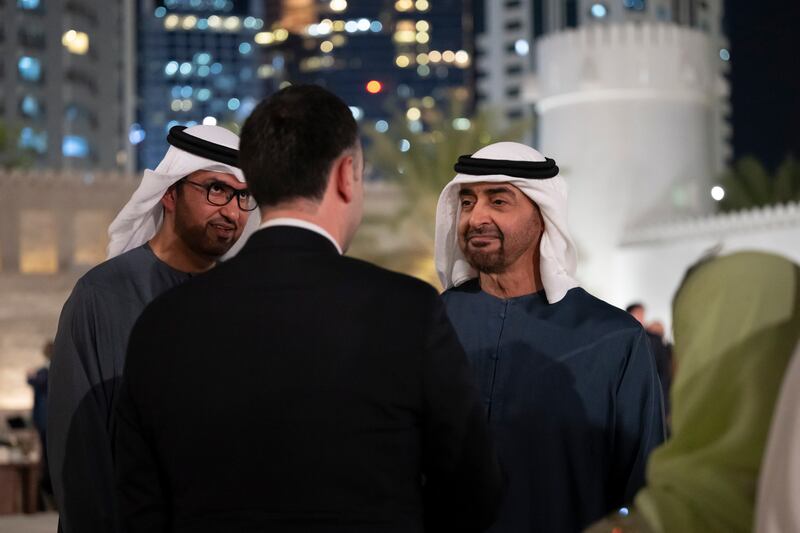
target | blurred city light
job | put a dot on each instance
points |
(717, 193)
(374, 87)
(77, 42)
(599, 11)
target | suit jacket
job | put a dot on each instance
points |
(295, 389)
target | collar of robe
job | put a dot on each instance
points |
(536, 170)
(201, 147)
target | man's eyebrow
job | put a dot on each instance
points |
(466, 192)
(499, 190)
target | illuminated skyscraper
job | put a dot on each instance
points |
(197, 63)
(63, 75)
(381, 57)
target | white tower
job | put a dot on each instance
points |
(631, 113)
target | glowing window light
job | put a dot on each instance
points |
(171, 68)
(186, 68)
(233, 104)
(281, 34)
(214, 22)
(338, 26)
(462, 57)
(402, 61)
(413, 113)
(423, 37)
(245, 48)
(326, 46)
(232, 23)
(598, 11)
(189, 22)
(77, 42)
(357, 112)
(265, 37)
(160, 12)
(422, 5)
(374, 87)
(375, 26)
(448, 56)
(404, 5)
(30, 68)
(351, 26)
(325, 27)
(204, 94)
(363, 24)
(186, 91)
(171, 22)
(422, 25)
(422, 59)
(186, 105)
(338, 5)
(461, 124)
(521, 47)
(423, 70)
(717, 193)
(381, 126)
(435, 56)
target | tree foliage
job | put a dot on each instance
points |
(748, 184)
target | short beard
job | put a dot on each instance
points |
(197, 237)
(486, 262)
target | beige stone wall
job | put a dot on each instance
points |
(52, 229)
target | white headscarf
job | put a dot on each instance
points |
(142, 216)
(558, 258)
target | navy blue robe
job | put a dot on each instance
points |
(573, 401)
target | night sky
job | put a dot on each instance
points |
(765, 78)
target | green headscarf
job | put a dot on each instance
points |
(736, 323)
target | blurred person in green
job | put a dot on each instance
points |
(736, 322)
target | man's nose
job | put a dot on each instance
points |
(231, 210)
(480, 214)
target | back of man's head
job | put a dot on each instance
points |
(290, 140)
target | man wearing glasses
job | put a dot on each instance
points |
(183, 217)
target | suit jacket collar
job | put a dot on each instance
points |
(288, 237)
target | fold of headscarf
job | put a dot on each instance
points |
(778, 504)
(736, 323)
(558, 257)
(142, 216)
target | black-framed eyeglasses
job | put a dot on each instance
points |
(219, 194)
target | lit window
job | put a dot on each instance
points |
(381, 126)
(30, 68)
(233, 104)
(30, 106)
(136, 134)
(75, 146)
(338, 5)
(77, 42)
(28, 4)
(598, 10)
(245, 48)
(160, 12)
(521, 47)
(31, 140)
(724, 54)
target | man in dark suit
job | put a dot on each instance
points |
(295, 389)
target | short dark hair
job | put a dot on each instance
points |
(634, 306)
(290, 140)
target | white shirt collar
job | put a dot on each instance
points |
(298, 223)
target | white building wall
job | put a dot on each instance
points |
(650, 264)
(627, 111)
